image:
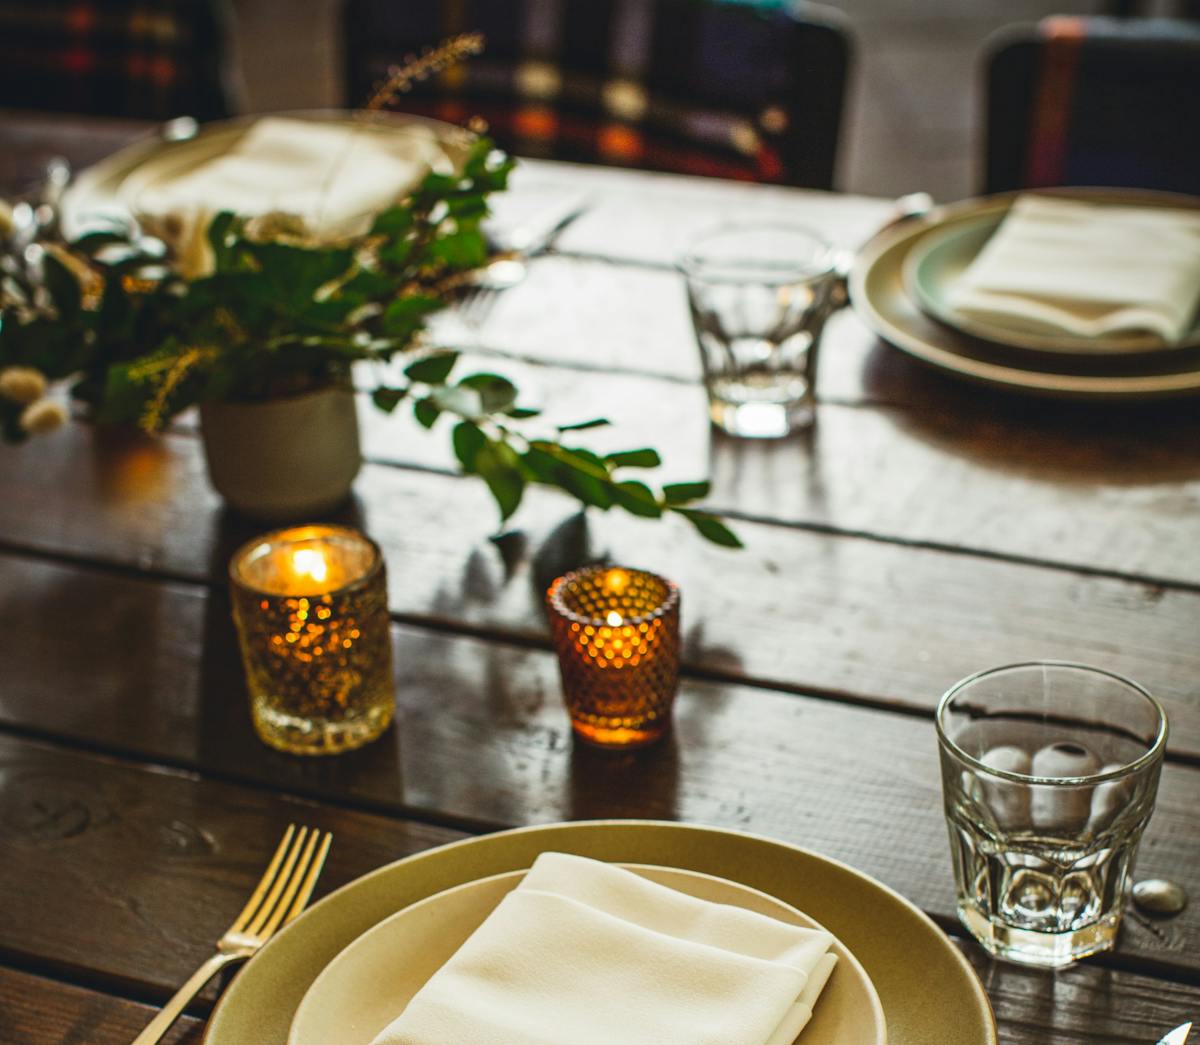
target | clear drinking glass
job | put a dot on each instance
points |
(1049, 775)
(759, 297)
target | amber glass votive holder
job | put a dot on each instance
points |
(310, 605)
(616, 633)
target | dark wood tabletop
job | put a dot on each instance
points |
(924, 529)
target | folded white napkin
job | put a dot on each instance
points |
(586, 953)
(334, 176)
(1087, 269)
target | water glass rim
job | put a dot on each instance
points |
(1148, 757)
(690, 264)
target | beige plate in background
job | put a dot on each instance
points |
(880, 297)
(929, 993)
(372, 981)
(110, 186)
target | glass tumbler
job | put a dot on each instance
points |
(759, 297)
(1049, 776)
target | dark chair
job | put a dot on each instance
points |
(1094, 101)
(149, 59)
(694, 86)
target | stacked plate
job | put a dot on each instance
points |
(901, 286)
(346, 968)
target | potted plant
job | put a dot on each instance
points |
(265, 338)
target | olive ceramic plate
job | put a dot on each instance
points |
(929, 992)
(371, 982)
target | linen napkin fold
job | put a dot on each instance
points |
(332, 176)
(1086, 269)
(586, 953)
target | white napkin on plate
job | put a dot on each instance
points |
(1087, 269)
(585, 953)
(332, 175)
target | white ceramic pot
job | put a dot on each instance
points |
(285, 459)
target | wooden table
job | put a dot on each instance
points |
(924, 530)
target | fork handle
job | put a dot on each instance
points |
(171, 1011)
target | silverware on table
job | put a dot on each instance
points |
(1176, 1037)
(281, 894)
(508, 268)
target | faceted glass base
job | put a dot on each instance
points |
(761, 420)
(1050, 950)
(306, 736)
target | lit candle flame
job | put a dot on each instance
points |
(614, 619)
(309, 563)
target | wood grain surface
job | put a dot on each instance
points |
(923, 530)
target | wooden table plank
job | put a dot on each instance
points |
(857, 619)
(38, 1011)
(749, 759)
(1115, 492)
(161, 862)
(1084, 1005)
(150, 925)
(1102, 488)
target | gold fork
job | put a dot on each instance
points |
(281, 894)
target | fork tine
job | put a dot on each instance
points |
(296, 877)
(310, 879)
(281, 880)
(264, 882)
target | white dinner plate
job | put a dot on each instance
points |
(937, 261)
(884, 302)
(929, 992)
(371, 982)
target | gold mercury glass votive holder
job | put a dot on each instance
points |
(310, 605)
(616, 633)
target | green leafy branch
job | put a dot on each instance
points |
(280, 312)
(490, 441)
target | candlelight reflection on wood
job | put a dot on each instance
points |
(310, 604)
(616, 632)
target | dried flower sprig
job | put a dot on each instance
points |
(416, 68)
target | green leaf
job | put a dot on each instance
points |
(464, 249)
(645, 458)
(367, 284)
(637, 499)
(522, 412)
(579, 426)
(496, 394)
(711, 528)
(97, 238)
(405, 316)
(218, 239)
(63, 286)
(432, 370)
(387, 399)
(681, 493)
(395, 221)
(497, 463)
(426, 412)
(458, 400)
(468, 440)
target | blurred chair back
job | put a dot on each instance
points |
(1095, 101)
(150, 59)
(731, 89)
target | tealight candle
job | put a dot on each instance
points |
(616, 633)
(310, 604)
